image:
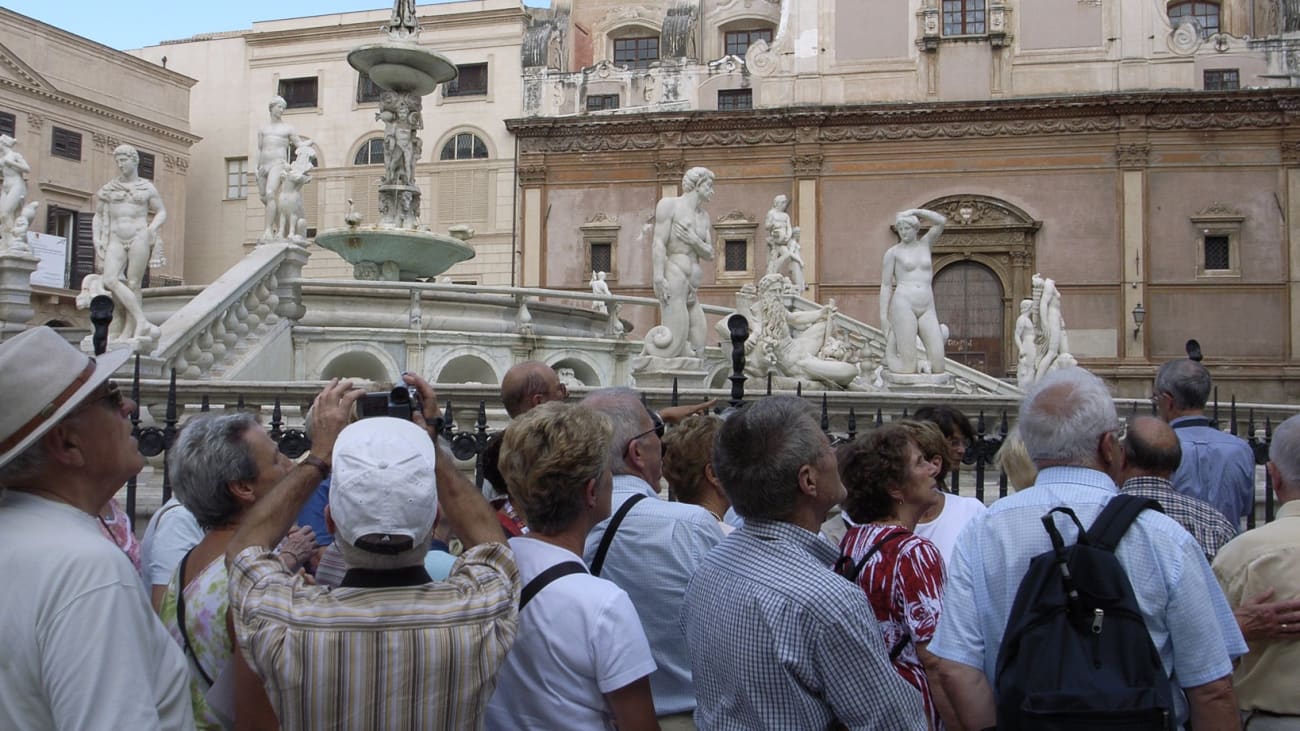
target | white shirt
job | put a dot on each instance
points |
(944, 529)
(171, 532)
(579, 638)
(81, 647)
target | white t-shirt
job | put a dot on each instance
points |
(171, 532)
(578, 639)
(944, 529)
(82, 647)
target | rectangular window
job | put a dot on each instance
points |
(600, 102)
(7, 124)
(1217, 250)
(299, 93)
(145, 170)
(963, 17)
(602, 256)
(737, 42)
(1222, 79)
(236, 178)
(636, 53)
(736, 255)
(367, 90)
(735, 99)
(65, 143)
(471, 80)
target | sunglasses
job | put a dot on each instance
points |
(657, 430)
(108, 391)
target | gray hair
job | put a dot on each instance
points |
(1064, 414)
(758, 452)
(624, 408)
(1187, 381)
(1284, 451)
(26, 466)
(209, 454)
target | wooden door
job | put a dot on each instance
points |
(968, 298)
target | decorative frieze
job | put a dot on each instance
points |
(1132, 155)
(807, 166)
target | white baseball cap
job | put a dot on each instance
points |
(383, 482)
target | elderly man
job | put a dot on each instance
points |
(1151, 454)
(650, 547)
(1071, 431)
(1217, 467)
(1267, 559)
(82, 648)
(777, 639)
(528, 385)
(387, 649)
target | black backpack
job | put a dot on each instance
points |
(1076, 653)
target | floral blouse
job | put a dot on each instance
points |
(206, 602)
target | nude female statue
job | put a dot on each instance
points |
(125, 241)
(1051, 342)
(14, 188)
(906, 296)
(681, 239)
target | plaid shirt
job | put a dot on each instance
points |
(399, 657)
(778, 641)
(1204, 521)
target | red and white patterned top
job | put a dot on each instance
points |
(904, 583)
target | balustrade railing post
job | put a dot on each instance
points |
(277, 422)
(738, 328)
(880, 418)
(169, 435)
(853, 425)
(205, 406)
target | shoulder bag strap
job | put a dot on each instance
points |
(541, 580)
(180, 618)
(852, 575)
(1116, 517)
(598, 560)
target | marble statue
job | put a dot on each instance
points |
(275, 140)
(783, 243)
(598, 286)
(796, 345)
(290, 223)
(907, 298)
(401, 115)
(1026, 333)
(12, 194)
(682, 232)
(402, 24)
(1050, 341)
(568, 377)
(127, 243)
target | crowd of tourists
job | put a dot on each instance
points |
(635, 570)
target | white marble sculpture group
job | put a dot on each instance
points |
(1040, 334)
(284, 163)
(15, 214)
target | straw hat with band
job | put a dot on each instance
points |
(44, 377)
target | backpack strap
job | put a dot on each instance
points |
(180, 618)
(598, 560)
(845, 567)
(899, 646)
(1116, 517)
(541, 580)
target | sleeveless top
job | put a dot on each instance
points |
(207, 600)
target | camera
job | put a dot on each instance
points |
(402, 402)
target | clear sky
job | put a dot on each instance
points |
(126, 24)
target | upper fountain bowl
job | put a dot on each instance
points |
(405, 68)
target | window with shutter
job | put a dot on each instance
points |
(145, 170)
(7, 124)
(65, 143)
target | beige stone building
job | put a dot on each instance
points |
(69, 102)
(1143, 153)
(466, 166)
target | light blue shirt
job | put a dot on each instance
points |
(1217, 468)
(655, 552)
(1189, 620)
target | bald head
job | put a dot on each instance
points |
(528, 385)
(1151, 449)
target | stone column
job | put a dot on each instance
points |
(1291, 159)
(532, 177)
(15, 293)
(1132, 159)
(807, 169)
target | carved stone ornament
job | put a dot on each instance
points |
(807, 166)
(726, 64)
(603, 218)
(670, 169)
(971, 211)
(1185, 40)
(760, 59)
(532, 175)
(734, 216)
(1219, 210)
(1133, 156)
(35, 121)
(1291, 153)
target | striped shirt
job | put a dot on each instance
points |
(1204, 521)
(398, 657)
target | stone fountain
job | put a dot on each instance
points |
(398, 246)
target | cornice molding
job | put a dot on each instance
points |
(369, 30)
(185, 138)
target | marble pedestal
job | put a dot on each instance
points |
(16, 292)
(653, 372)
(917, 382)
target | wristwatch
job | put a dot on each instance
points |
(321, 466)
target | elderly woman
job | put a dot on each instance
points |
(943, 522)
(890, 483)
(221, 464)
(688, 467)
(580, 659)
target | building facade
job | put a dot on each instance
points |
(1142, 153)
(467, 160)
(69, 102)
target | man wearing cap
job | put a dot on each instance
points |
(388, 649)
(80, 647)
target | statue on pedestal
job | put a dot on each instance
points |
(12, 194)
(783, 243)
(907, 298)
(1026, 334)
(127, 243)
(795, 345)
(290, 222)
(682, 233)
(598, 286)
(274, 141)
(1050, 341)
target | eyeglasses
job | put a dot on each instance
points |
(108, 391)
(657, 430)
(1120, 431)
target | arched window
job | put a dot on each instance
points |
(371, 152)
(464, 146)
(1206, 15)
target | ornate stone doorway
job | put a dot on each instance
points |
(968, 298)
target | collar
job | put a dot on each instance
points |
(1288, 509)
(1186, 421)
(1149, 482)
(1082, 476)
(633, 484)
(385, 578)
(779, 530)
